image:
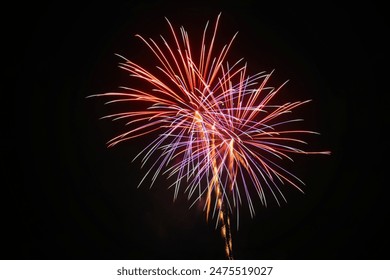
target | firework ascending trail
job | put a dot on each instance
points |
(221, 136)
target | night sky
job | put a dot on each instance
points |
(66, 196)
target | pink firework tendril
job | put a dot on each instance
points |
(220, 136)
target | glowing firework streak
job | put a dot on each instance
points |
(220, 134)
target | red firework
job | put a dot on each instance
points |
(221, 136)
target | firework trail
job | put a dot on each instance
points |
(221, 137)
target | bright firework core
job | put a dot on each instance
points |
(221, 137)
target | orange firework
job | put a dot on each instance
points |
(220, 134)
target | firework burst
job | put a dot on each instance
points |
(221, 137)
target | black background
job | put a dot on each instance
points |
(66, 196)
